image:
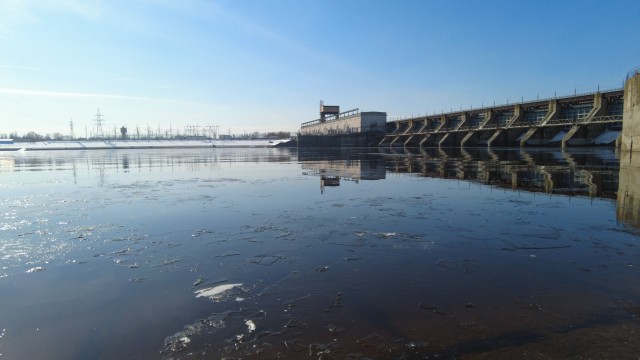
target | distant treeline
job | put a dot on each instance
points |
(258, 135)
(33, 136)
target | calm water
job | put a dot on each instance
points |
(274, 253)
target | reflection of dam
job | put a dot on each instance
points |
(593, 174)
(346, 164)
(347, 169)
(335, 165)
(590, 172)
(332, 171)
(628, 204)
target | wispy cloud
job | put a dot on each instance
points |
(5, 66)
(126, 79)
(91, 10)
(77, 95)
(19, 12)
(252, 28)
(244, 24)
(45, 93)
(14, 12)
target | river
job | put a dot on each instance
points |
(321, 254)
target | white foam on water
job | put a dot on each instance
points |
(215, 291)
(250, 325)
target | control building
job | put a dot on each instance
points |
(334, 122)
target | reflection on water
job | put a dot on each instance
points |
(587, 173)
(628, 199)
(592, 173)
(234, 253)
(333, 166)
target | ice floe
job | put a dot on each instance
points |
(215, 292)
(250, 325)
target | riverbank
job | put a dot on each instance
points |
(136, 144)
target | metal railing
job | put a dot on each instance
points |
(633, 72)
(528, 102)
(332, 118)
(337, 131)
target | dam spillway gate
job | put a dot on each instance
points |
(578, 120)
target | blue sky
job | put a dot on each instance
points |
(256, 65)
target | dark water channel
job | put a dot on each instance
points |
(275, 253)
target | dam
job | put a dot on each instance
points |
(579, 120)
(589, 119)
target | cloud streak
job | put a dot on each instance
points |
(5, 66)
(15, 14)
(46, 93)
(77, 95)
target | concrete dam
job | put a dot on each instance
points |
(590, 119)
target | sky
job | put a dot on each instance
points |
(258, 65)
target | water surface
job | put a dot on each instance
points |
(274, 253)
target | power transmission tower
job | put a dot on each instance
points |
(71, 134)
(98, 121)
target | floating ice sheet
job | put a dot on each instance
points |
(216, 291)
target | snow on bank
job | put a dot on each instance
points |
(135, 144)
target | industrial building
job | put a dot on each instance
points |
(334, 122)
